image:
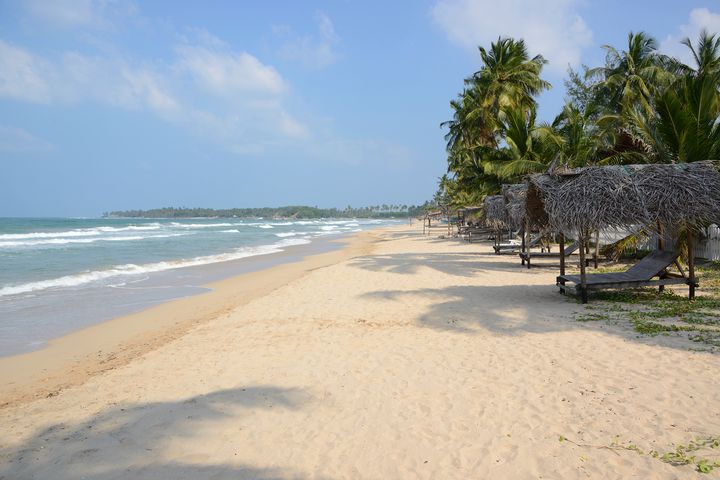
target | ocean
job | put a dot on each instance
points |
(58, 275)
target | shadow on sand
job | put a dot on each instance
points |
(458, 264)
(103, 446)
(510, 309)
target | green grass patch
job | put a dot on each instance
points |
(699, 452)
(651, 312)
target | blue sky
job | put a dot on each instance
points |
(121, 104)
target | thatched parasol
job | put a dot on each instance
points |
(625, 196)
(515, 197)
(495, 216)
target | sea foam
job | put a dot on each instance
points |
(70, 240)
(132, 269)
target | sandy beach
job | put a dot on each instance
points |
(400, 356)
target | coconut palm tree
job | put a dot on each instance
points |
(529, 147)
(508, 76)
(683, 126)
(706, 55)
(507, 81)
(630, 78)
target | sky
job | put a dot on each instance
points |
(120, 104)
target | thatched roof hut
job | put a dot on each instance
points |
(515, 197)
(495, 216)
(625, 196)
(470, 212)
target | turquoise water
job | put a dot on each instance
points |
(58, 275)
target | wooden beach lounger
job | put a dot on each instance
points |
(569, 250)
(512, 246)
(639, 275)
(472, 233)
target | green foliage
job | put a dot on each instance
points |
(380, 211)
(492, 136)
(639, 107)
(686, 454)
(650, 312)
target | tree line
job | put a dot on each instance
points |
(377, 211)
(639, 107)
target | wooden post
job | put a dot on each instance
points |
(562, 257)
(583, 278)
(691, 263)
(522, 245)
(597, 248)
(661, 246)
(526, 241)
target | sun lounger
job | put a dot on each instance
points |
(569, 250)
(639, 275)
(514, 245)
(472, 233)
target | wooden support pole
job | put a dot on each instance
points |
(691, 263)
(562, 258)
(661, 246)
(522, 245)
(583, 278)
(597, 248)
(526, 240)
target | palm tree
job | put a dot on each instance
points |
(529, 147)
(508, 76)
(683, 126)
(632, 77)
(497, 99)
(706, 55)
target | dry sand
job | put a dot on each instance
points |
(423, 358)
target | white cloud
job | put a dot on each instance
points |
(552, 28)
(291, 127)
(251, 94)
(75, 77)
(313, 51)
(13, 139)
(23, 75)
(226, 73)
(326, 27)
(145, 86)
(66, 14)
(700, 18)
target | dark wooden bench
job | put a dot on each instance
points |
(639, 275)
(569, 250)
(514, 247)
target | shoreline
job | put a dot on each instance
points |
(399, 356)
(73, 358)
(75, 310)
